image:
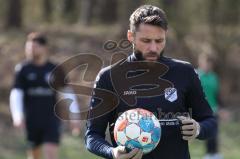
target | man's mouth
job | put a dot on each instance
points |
(151, 57)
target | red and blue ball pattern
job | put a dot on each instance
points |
(137, 128)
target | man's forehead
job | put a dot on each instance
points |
(145, 26)
(150, 30)
(145, 35)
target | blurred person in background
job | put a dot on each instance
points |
(210, 83)
(32, 100)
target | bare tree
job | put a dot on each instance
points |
(70, 10)
(125, 9)
(14, 14)
(108, 11)
(68, 6)
(86, 11)
(47, 10)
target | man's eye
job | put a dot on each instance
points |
(159, 41)
(146, 40)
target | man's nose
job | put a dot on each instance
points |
(153, 47)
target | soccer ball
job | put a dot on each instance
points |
(137, 128)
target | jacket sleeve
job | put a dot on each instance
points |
(199, 107)
(96, 127)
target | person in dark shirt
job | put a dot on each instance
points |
(148, 79)
(32, 99)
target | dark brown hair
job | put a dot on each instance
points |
(37, 37)
(148, 14)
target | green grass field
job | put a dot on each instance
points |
(12, 145)
(229, 142)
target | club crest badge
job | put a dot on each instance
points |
(171, 94)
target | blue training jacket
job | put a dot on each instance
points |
(184, 96)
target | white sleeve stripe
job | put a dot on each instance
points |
(16, 105)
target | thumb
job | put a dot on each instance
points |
(121, 149)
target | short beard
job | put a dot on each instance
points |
(139, 55)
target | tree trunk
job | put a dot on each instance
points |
(14, 14)
(70, 10)
(86, 11)
(47, 10)
(68, 6)
(126, 8)
(108, 11)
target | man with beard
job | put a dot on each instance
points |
(180, 92)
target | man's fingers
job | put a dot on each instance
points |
(188, 133)
(182, 117)
(130, 154)
(121, 149)
(187, 121)
(188, 127)
(188, 138)
(119, 152)
(138, 155)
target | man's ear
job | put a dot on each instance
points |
(130, 36)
